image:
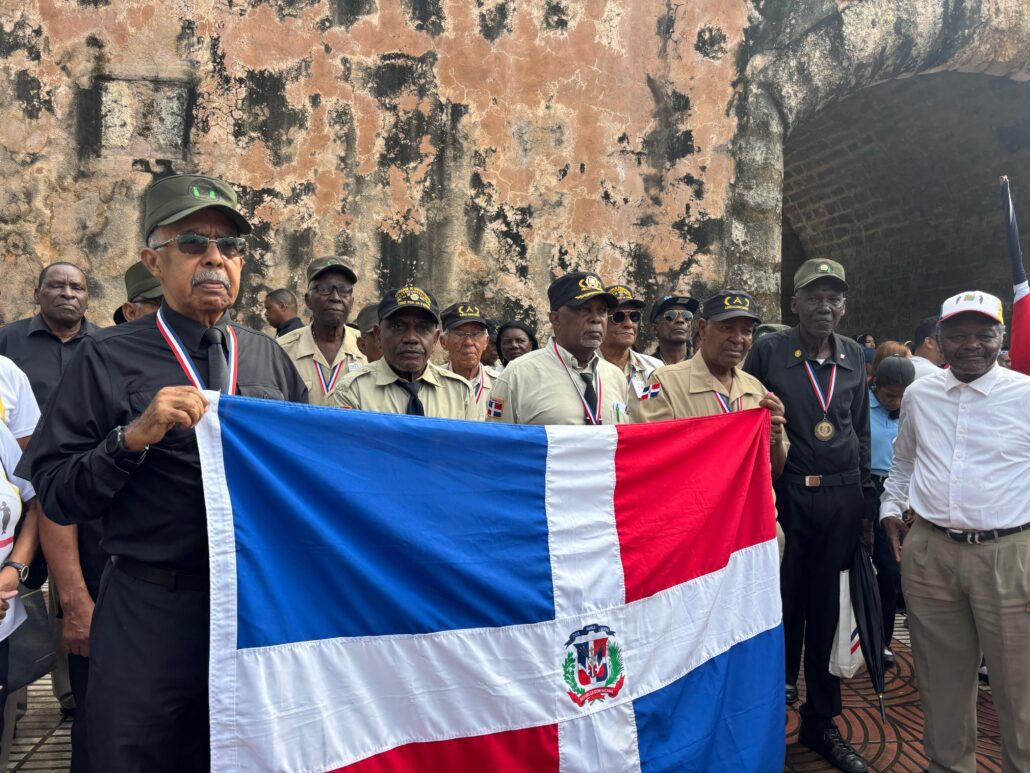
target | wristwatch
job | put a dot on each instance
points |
(114, 445)
(23, 570)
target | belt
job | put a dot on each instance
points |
(821, 481)
(155, 575)
(973, 537)
(878, 478)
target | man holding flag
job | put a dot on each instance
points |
(117, 443)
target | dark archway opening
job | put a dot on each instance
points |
(900, 184)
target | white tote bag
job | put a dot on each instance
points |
(846, 655)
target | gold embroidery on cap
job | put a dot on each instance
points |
(412, 296)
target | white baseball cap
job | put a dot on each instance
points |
(973, 300)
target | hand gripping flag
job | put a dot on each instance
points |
(407, 594)
(1019, 334)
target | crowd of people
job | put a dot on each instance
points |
(867, 443)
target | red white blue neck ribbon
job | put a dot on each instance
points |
(725, 403)
(593, 414)
(328, 383)
(478, 389)
(824, 400)
(186, 362)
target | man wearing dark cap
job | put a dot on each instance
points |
(621, 336)
(466, 333)
(366, 322)
(825, 490)
(670, 325)
(281, 311)
(142, 294)
(566, 381)
(117, 443)
(326, 350)
(404, 380)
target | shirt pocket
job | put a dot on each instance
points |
(263, 391)
(176, 436)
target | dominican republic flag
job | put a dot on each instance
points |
(400, 593)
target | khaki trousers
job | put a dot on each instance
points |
(963, 600)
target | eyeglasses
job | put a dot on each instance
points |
(618, 317)
(673, 314)
(464, 335)
(814, 302)
(325, 289)
(197, 244)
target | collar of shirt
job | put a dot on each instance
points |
(306, 346)
(293, 323)
(385, 375)
(570, 360)
(983, 385)
(190, 332)
(797, 354)
(485, 372)
(701, 380)
(39, 325)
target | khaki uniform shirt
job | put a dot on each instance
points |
(686, 390)
(444, 395)
(302, 350)
(638, 370)
(536, 389)
(481, 396)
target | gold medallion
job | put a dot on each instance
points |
(824, 430)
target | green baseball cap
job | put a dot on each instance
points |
(813, 270)
(170, 199)
(140, 285)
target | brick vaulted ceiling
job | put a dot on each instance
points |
(900, 183)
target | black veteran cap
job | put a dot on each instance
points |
(668, 301)
(812, 270)
(577, 288)
(140, 285)
(462, 312)
(321, 265)
(170, 199)
(728, 304)
(625, 297)
(408, 297)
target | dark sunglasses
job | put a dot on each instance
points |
(618, 317)
(197, 244)
(673, 314)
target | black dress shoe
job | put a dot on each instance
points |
(792, 694)
(829, 745)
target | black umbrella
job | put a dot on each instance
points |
(865, 600)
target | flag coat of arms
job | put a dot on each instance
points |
(401, 593)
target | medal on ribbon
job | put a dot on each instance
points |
(186, 362)
(328, 383)
(824, 429)
(593, 414)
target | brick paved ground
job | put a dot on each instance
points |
(43, 744)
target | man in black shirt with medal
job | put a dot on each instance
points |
(117, 443)
(821, 496)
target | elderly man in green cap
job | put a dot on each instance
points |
(142, 294)
(118, 445)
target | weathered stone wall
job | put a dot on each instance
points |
(478, 146)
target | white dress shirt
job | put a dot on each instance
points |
(923, 366)
(962, 455)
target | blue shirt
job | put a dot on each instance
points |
(882, 431)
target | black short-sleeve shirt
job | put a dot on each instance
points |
(153, 511)
(40, 354)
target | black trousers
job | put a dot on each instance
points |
(888, 575)
(147, 703)
(78, 676)
(821, 526)
(5, 661)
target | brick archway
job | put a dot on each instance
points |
(804, 58)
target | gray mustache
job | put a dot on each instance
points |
(211, 276)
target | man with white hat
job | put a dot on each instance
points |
(962, 464)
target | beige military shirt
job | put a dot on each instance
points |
(638, 370)
(540, 388)
(481, 384)
(322, 378)
(444, 395)
(687, 389)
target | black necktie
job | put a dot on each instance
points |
(217, 368)
(414, 404)
(590, 395)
